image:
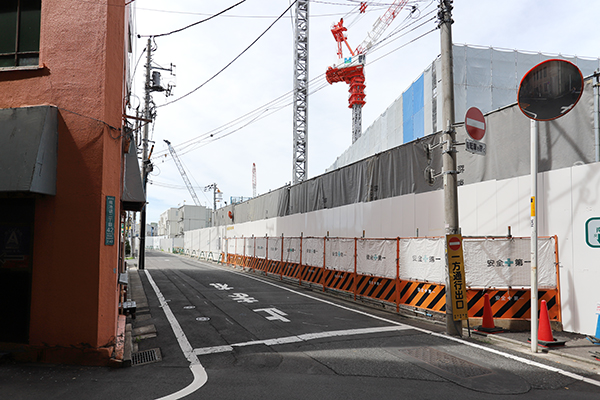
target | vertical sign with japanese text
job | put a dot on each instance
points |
(458, 288)
(109, 233)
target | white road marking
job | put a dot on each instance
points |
(243, 298)
(300, 338)
(275, 314)
(198, 371)
(490, 350)
(221, 286)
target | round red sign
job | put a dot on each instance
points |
(454, 243)
(475, 123)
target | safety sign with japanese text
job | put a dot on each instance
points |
(456, 269)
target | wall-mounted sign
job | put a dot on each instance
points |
(592, 232)
(109, 230)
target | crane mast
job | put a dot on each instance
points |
(351, 69)
(183, 174)
(300, 102)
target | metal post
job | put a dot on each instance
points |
(449, 154)
(534, 237)
(356, 122)
(142, 259)
(597, 114)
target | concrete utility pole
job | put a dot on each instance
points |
(145, 161)
(216, 198)
(449, 153)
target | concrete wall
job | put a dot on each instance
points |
(82, 67)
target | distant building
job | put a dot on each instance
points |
(192, 217)
(175, 221)
(168, 223)
(152, 229)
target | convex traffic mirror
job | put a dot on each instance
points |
(550, 90)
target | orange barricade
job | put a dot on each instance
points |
(505, 303)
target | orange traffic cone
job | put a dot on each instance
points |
(488, 321)
(545, 337)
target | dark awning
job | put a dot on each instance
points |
(134, 197)
(28, 149)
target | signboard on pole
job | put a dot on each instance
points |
(475, 123)
(475, 147)
(458, 287)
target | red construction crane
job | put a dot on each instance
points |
(351, 69)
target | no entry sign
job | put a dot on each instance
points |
(475, 123)
(454, 243)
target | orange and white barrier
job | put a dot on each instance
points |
(409, 272)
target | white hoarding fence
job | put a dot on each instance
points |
(506, 262)
(261, 247)
(292, 249)
(313, 251)
(377, 257)
(490, 262)
(339, 254)
(423, 259)
(248, 249)
(275, 248)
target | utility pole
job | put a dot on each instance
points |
(145, 161)
(217, 196)
(449, 153)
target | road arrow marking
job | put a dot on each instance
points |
(275, 314)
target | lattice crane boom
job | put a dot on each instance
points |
(188, 184)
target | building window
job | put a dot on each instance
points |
(19, 32)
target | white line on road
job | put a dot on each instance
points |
(300, 338)
(198, 371)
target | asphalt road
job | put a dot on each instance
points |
(227, 334)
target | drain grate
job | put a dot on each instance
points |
(145, 357)
(447, 362)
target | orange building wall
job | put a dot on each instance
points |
(74, 289)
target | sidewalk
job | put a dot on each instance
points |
(575, 352)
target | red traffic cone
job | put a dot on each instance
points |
(488, 321)
(545, 337)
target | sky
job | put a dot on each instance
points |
(221, 119)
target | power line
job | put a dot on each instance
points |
(232, 61)
(199, 22)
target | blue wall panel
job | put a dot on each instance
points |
(413, 101)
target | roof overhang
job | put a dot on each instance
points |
(134, 197)
(28, 149)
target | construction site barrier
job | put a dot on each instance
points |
(409, 272)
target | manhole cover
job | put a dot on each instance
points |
(202, 319)
(189, 307)
(145, 357)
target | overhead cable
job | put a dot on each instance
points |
(199, 22)
(232, 61)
